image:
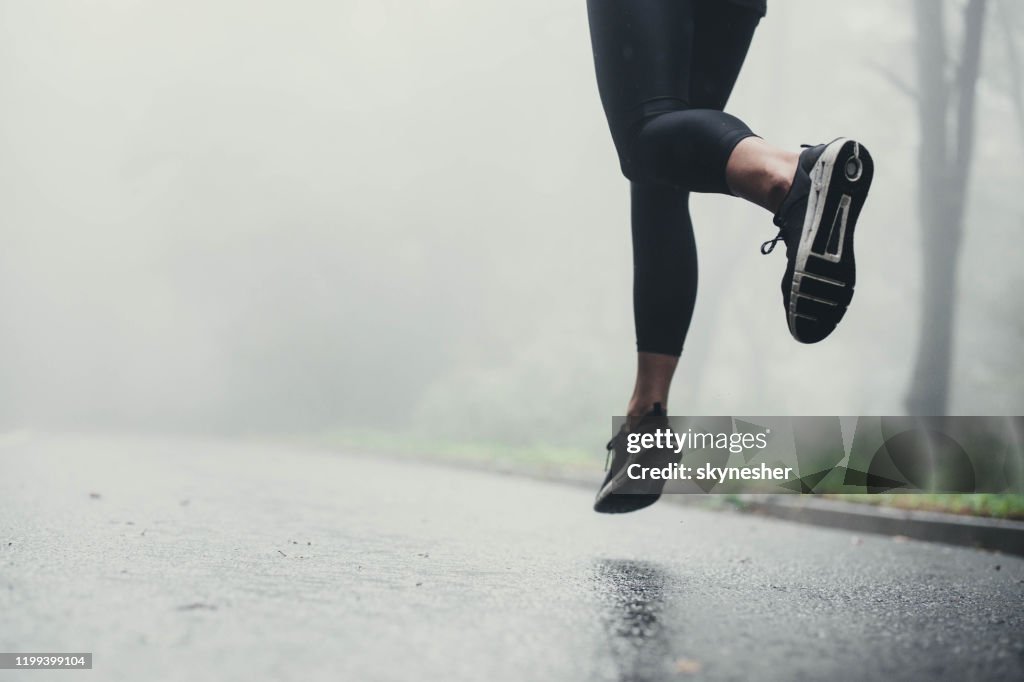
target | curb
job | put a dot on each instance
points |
(997, 535)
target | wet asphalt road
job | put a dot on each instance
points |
(212, 561)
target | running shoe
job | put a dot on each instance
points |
(816, 221)
(619, 493)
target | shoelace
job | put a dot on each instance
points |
(769, 246)
(608, 458)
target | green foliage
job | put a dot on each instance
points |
(981, 504)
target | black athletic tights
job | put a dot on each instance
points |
(665, 69)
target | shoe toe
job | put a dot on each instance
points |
(811, 331)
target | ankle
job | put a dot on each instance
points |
(780, 173)
(761, 173)
(653, 378)
(641, 407)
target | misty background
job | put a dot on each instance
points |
(270, 218)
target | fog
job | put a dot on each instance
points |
(269, 217)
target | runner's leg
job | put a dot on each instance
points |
(656, 60)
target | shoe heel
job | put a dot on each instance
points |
(857, 166)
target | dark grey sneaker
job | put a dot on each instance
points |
(817, 220)
(619, 493)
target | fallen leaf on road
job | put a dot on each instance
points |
(687, 666)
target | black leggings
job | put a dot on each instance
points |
(665, 69)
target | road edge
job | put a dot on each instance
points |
(996, 535)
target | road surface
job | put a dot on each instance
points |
(193, 560)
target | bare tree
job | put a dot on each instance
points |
(946, 107)
(1009, 23)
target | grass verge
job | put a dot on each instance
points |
(980, 504)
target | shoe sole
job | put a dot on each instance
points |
(824, 271)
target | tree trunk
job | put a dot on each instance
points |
(944, 159)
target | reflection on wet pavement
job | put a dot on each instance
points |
(632, 595)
